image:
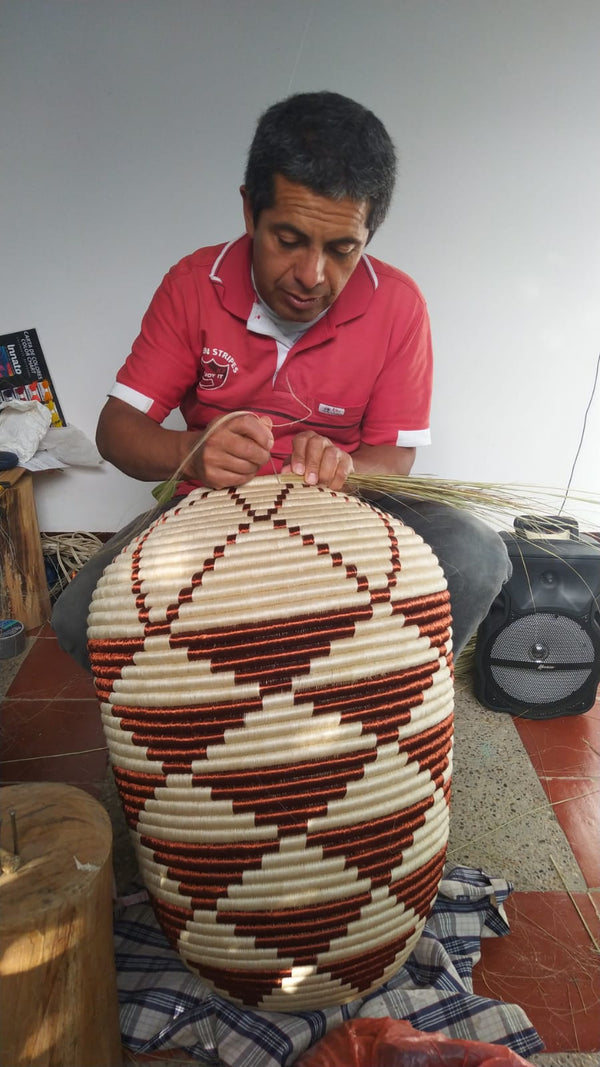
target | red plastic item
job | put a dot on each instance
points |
(395, 1043)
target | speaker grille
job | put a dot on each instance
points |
(541, 658)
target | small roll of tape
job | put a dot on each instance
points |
(12, 638)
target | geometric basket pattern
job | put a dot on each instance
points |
(274, 668)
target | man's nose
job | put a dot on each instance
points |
(309, 268)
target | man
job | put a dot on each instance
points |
(289, 349)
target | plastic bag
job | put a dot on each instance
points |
(70, 445)
(395, 1043)
(23, 424)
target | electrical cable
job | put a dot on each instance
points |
(301, 45)
(67, 553)
(582, 436)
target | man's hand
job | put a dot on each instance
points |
(319, 461)
(233, 452)
(229, 455)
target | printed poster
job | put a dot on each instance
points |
(24, 374)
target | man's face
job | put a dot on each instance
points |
(305, 247)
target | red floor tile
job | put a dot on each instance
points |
(84, 770)
(569, 745)
(549, 966)
(576, 805)
(48, 673)
(45, 630)
(565, 753)
(52, 740)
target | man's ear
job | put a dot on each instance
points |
(248, 213)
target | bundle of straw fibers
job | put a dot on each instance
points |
(274, 670)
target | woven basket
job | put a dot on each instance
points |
(274, 670)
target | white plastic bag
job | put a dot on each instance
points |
(23, 424)
(70, 445)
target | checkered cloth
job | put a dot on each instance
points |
(164, 1006)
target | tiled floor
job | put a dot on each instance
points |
(551, 962)
(51, 729)
(526, 806)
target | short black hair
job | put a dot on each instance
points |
(327, 142)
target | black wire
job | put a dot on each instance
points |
(582, 435)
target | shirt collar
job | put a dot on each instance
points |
(231, 276)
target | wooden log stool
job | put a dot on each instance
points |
(57, 971)
(23, 583)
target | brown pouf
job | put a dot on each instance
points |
(274, 669)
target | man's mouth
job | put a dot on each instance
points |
(302, 302)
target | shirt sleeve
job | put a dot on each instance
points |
(399, 407)
(162, 365)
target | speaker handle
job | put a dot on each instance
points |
(546, 526)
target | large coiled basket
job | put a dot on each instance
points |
(274, 670)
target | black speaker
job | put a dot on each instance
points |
(538, 649)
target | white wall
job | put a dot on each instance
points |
(125, 125)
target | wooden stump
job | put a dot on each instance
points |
(57, 972)
(25, 593)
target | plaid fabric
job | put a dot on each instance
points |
(164, 1006)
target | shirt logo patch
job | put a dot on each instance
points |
(327, 409)
(214, 375)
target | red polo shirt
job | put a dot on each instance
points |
(361, 374)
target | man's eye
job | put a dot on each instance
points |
(287, 242)
(344, 250)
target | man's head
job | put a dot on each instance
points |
(328, 143)
(319, 181)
